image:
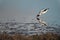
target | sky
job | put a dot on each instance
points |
(26, 10)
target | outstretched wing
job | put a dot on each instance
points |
(43, 11)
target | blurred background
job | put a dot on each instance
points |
(25, 10)
(16, 18)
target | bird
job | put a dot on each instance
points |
(43, 23)
(43, 11)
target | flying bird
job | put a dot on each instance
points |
(43, 11)
(40, 13)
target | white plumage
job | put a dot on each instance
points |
(43, 11)
(40, 13)
(42, 22)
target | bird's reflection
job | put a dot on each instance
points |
(43, 23)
